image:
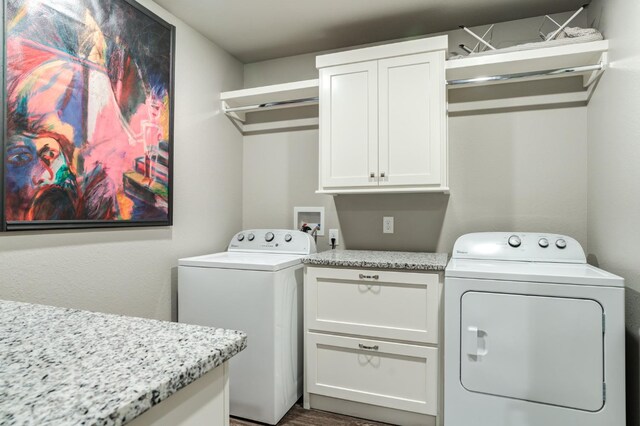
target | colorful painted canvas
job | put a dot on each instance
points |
(88, 109)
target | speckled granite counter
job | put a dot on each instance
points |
(68, 367)
(379, 259)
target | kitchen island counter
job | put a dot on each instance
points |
(63, 366)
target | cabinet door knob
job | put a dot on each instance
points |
(382, 174)
(368, 277)
(372, 175)
(368, 348)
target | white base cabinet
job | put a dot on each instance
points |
(371, 337)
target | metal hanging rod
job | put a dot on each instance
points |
(268, 105)
(529, 74)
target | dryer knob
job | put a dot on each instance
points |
(269, 237)
(240, 237)
(561, 244)
(288, 238)
(514, 241)
(544, 243)
(251, 237)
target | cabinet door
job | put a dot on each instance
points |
(548, 350)
(378, 304)
(412, 119)
(349, 125)
(376, 372)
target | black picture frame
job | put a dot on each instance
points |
(8, 225)
(3, 95)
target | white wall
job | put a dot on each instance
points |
(507, 172)
(614, 171)
(133, 271)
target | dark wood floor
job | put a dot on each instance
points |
(298, 416)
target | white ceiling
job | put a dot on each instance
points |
(256, 30)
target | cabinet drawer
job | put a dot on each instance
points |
(380, 304)
(393, 375)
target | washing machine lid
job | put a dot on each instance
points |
(542, 272)
(244, 261)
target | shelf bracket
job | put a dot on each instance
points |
(232, 114)
(591, 78)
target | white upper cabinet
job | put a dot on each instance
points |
(411, 119)
(349, 111)
(383, 119)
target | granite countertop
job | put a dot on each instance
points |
(69, 367)
(379, 259)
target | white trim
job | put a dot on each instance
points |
(384, 190)
(383, 51)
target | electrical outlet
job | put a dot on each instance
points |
(333, 233)
(387, 224)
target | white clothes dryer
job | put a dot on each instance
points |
(534, 336)
(255, 286)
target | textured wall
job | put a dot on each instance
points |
(614, 172)
(133, 271)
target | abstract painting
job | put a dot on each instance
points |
(88, 108)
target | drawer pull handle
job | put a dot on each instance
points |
(369, 277)
(369, 348)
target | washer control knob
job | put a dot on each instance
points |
(514, 241)
(288, 238)
(561, 244)
(240, 237)
(543, 242)
(269, 237)
(251, 237)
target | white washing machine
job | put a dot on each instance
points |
(255, 286)
(534, 336)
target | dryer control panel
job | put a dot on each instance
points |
(283, 241)
(519, 246)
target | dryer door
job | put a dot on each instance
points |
(541, 349)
